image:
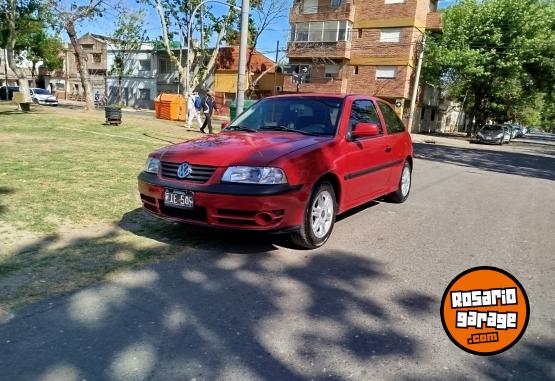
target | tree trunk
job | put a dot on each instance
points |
(82, 66)
(10, 48)
(120, 91)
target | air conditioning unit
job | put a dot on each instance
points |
(279, 89)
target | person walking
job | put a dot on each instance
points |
(193, 105)
(208, 108)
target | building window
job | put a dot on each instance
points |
(360, 33)
(166, 66)
(336, 3)
(356, 69)
(310, 7)
(322, 31)
(332, 71)
(97, 57)
(386, 72)
(87, 46)
(390, 35)
(144, 94)
(302, 32)
(394, 1)
(144, 65)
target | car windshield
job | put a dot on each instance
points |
(305, 115)
(41, 91)
(492, 129)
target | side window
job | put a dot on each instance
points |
(364, 111)
(392, 121)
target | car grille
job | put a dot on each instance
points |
(199, 173)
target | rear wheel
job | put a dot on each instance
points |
(319, 218)
(402, 193)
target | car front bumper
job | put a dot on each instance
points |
(235, 206)
(489, 141)
(47, 103)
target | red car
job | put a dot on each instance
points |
(288, 164)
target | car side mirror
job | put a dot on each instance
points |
(365, 130)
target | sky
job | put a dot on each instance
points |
(267, 43)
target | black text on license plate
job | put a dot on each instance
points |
(178, 199)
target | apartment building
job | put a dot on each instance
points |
(66, 83)
(359, 46)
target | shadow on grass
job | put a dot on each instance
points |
(4, 191)
(527, 165)
(226, 308)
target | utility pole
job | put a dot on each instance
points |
(245, 8)
(416, 83)
(275, 69)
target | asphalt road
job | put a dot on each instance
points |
(364, 307)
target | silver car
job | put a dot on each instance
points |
(43, 97)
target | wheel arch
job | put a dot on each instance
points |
(409, 159)
(333, 179)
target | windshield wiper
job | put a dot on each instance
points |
(240, 128)
(283, 128)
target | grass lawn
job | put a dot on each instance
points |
(69, 207)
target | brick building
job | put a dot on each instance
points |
(359, 46)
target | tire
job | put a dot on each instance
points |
(35, 101)
(320, 209)
(402, 193)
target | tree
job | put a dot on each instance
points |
(17, 16)
(124, 42)
(175, 15)
(68, 16)
(494, 52)
(41, 47)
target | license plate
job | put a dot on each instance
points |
(179, 199)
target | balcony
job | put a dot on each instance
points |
(300, 13)
(337, 50)
(434, 21)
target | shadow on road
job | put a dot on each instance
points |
(227, 309)
(496, 161)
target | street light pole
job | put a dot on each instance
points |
(189, 31)
(245, 8)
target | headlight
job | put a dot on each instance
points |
(254, 175)
(480, 135)
(499, 136)
(152, 165)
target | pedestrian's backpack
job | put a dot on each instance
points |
(198, 102)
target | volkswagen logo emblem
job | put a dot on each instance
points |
(183, 170)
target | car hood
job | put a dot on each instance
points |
(238, 148)
(44, 96)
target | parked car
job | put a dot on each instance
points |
(494, 134)
(43, 97)
(513, 129)
(11, 90)
(288, 164)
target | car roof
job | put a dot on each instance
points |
(325, 95)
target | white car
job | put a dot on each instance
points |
(43, 97)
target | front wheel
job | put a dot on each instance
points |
(402, 193)
(319, 218)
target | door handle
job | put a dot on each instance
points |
(388, 149)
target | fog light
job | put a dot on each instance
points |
(263, 218)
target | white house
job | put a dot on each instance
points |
(139, 80)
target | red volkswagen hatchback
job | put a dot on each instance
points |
(289, 163)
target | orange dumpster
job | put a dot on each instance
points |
(170, 106)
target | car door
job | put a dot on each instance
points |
(397, 142)
(365, 177)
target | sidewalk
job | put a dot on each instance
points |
(452, 140)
